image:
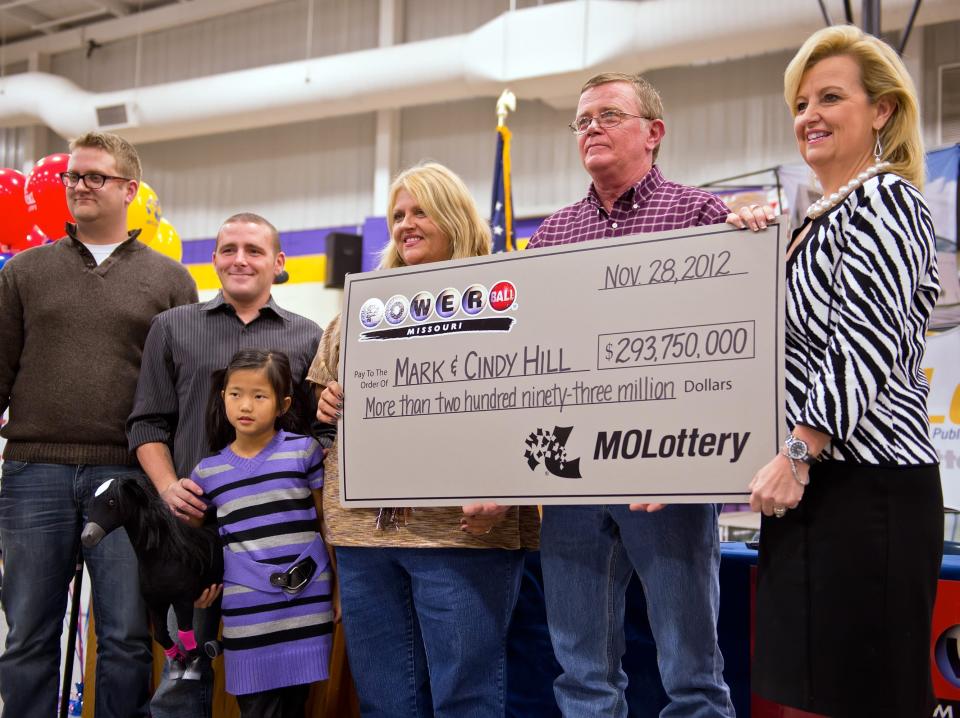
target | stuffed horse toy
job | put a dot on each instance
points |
(177, 561)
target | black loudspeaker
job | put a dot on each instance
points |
(344, 255)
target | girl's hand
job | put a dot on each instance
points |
(649, 508)
(330, 403)
(774, 489)
(209, 595)
(479, 519)
(755, 217)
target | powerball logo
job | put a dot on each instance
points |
(450, 311)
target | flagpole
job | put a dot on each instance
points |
(506, 104)
(501, 212)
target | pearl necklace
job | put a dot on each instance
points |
(827, 203)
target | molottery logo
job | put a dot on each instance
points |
(452, 311)
(551, 449)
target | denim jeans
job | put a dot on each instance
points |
(426, 628)
(589, 554)
(42, 511)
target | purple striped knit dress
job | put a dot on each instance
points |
(268, 522)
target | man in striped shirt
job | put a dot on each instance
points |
(589, 553)
(183, 349)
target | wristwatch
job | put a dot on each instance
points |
(797, 449)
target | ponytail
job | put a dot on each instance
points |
(220, 433)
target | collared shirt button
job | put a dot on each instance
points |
(636, 206)
(614, 225)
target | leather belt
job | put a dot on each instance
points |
(295, 578)
(271, 579)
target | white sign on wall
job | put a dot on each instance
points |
(942, 365)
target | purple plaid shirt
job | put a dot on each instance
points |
(652, 205)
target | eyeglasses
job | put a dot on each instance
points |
(91, 180)
(606, 120)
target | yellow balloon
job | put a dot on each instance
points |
(145, 213)
(167, 241)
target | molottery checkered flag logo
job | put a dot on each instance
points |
(551, 449)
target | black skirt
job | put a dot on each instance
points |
(845, 592)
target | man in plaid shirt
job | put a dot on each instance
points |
(589, 553)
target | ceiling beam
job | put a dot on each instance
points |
(14, 3)
(27, 15)
(51, 24)
(117, 8)
(161, 18)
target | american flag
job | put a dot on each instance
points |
(501, 211)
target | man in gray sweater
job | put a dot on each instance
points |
(74, 316)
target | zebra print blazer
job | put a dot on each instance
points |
(860, 290)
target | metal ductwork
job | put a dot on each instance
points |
(541, 52)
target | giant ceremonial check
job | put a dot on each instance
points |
(643, 368)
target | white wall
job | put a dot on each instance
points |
(940, 46)
(262, 36)
(13, 147)
(312, 174)
(725, 119)
(546, 166)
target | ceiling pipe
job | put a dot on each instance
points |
(583, 37)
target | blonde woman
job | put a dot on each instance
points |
(852, 534)
(426, 595)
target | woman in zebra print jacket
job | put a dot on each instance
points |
(852, 534)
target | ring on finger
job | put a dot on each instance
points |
(779, 511)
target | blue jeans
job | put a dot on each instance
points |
(589, 554)
(42, 511)
(426, 628)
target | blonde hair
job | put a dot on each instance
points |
(882, 74)
(448, 203)
(648, 99)
(123, 153)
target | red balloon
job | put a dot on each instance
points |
(34, 238)
(47, 197)
(14, 224)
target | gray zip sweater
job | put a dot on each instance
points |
(71, 339)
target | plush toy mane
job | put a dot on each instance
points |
(159, 531)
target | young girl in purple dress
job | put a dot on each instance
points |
(265, 484)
